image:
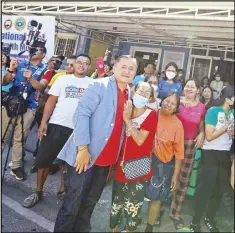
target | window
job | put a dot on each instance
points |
(215, 53)
(230, 55)
(201, 52)
(66, 44)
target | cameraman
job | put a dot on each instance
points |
(33, 76)
(5, 66)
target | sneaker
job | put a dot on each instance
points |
(32, 200)
(10, 164)
(210, 223)
(195, 227)
(18, 173)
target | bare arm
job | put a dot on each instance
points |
(177, 167)
(232, 175)
(8, 77)
(139, 136)
(49, 107)
(212, 133)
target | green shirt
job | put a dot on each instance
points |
(217, 117)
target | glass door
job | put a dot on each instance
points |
(145, 54)
(200, 67)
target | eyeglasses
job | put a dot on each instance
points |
(82, 64)
(68, 64)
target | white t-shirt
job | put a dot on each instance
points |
(69, 89)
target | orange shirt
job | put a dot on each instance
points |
(169, 138)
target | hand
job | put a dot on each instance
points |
(13, 64)
(28, 74)
(107, 53)
(127, 110)
(232, 180)
(174, 183)
(42, 130)
(232, 175)
(199, 140)
(230, 133)
(82, 161)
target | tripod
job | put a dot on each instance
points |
(20, 103)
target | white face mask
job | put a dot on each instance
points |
(217, 78)
(170, 75)
(155, 87)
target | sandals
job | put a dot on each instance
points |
(32, 200)
(60, 193)
(177, 223)
(159, 219)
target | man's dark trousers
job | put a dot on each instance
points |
(82, 192)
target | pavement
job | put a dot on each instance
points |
(41, 217)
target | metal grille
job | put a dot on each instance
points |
(65, 47)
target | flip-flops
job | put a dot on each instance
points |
(159, 219)
(177, 223)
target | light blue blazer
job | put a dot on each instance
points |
(94, 120)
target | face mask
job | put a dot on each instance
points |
(139, 101)
(217, 78)
(155, 87)
(170, 75)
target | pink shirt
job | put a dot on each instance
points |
(191, 118)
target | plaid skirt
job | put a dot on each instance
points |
(184, 178)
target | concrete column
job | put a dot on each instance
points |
(81, 48)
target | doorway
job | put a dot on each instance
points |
(145, 54)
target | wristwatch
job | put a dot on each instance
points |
(10, 71)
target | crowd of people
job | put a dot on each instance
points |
(146, 127)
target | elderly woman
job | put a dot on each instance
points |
(167, 156)
(128, 192)
(191, 113)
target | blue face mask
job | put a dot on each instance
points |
(139, 101)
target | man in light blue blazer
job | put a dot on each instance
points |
(94, 145)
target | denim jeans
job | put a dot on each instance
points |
(82, 192)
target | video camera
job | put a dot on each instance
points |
(6, 49)
(35, 38)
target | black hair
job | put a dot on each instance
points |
(211, 99)
(72, 57)
(152, 90)
(108, 64)
(43, 49)
(84, 55)
(8, 60)
(167, 66)
(180, 70)
(149, 63)
(172, 64)
(177, 100)
(223, 95)
(202, 80)
(115, 56)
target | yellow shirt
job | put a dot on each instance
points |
(55, 77)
